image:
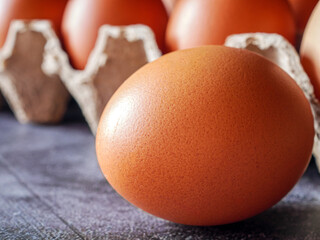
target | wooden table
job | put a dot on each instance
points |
(51, 188)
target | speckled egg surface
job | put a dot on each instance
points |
(206, 136)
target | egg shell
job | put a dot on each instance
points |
(195, 23)
(83, 18)
(30, 10)
(169, 4)
(302, 10)
(206, 136)
(310, 50)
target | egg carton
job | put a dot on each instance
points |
(277, 49)
(36, 76)
(32, 95)
(119, 52)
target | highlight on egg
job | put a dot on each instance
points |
(206, 136)
(83, 18)
(203, 22)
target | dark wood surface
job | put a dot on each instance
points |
(51, 188)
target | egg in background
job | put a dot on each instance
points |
(302, 10)
(310, 50)
(83, 18)
(169, 4)
(203, 22)
(206, 136)
(30, 10)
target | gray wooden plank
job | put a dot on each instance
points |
(23, 215)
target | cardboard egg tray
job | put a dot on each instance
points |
(36, 78)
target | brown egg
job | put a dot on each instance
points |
(302, 10)
(29, 10)
(310, 50)
(83, 18)
(206, 136)
(204, 22)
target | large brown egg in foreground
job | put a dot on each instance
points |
(206, 136)
(203, 22)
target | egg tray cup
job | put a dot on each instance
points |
(118, 53)
(37, 79)
(32, 95)
(277, 49)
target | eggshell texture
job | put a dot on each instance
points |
(29, 10)
(310, 50)
(203, 22)
(83, 18)
(302, 10)
(206, 136)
